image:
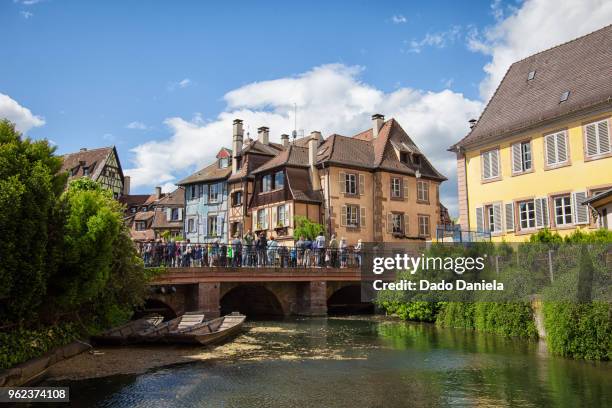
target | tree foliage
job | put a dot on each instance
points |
(306, 228)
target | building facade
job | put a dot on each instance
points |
(542, 145)
(101, 165)
(206, 201)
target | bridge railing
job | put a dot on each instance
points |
(227, 256)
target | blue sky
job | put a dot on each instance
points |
(90, 69)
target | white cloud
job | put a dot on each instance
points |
(183, 83)
(535, 26)
(398, 19)
(438, 40)
(21, 116)
(26, 14)
(331, 98)
(168, 187)
(27, 2)
(136, 125)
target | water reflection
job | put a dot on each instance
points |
(344, 362)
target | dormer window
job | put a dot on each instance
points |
(416, 159)
(86, 171)
(279, 180)
(223, 162)
(404, 157)
(531, 75)
(564, 96)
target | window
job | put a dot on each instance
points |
(174, 214)
(564, 96)
(236, 198)
(424, 225)
(396, 187)
(266, 183)
(262, 219)
(416, 159)
(527, 214)
(404, 157)
(140, 225)
(213, 193)
(556, 148)
(423, 191)
(352, 215)
(236, 229)
(563, 210)
(350, 182)
(279, 180)
(281, 216)
(397, 223)
(86, 171)
(597, 136)
(491, 218)
(531, 75)
(521, 157)
(193, 189)
(490, 164)
(212, 226)
(133, 210)
(223, 162)
(191, 225)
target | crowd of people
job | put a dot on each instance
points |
(253, 250)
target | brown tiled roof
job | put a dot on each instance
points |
(161, 221)
(298, 180)
(582, 66)
(347, 151)
(293, 156)
(143, 215)
(145, 235)
(131, 200)
(175, 198)
(255, 146)
(94, 160)
(209, 173)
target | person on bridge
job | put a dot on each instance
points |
(333, 251)
(299, 247)
(248, 253)
(237, 247)
(343, 249)
(272, 250)
(261, 245)
(319, 248)
(307, 253)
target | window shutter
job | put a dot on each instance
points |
(541, 212)
(219, 225)
(591, 139)
(254, 221)
(406, 225)
(479, 219)
(180, 214)
(551, 157)
(267, 218)
(287, 215)
(203, 227)
(361, 184)
(517, 161)
(389, 223)
(274, 217)
(509, 216)
(405, 187)
(581, 212)
(497, 217)
(561, 147)
(486, 165)
(342, 182)
(168, 214)
(495, 163)
(362, 217)
(343, 216)
(604, 136)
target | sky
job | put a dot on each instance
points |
(162, 81)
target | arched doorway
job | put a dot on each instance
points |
(347, 300)
(155, 306)
(254, 301)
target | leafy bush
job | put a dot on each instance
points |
(418, 311)
(304, 227)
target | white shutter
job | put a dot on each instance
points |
(551, 157)
(509, 213)
(254, 220)
(361, 184)
(591, 139)
(405, 186)
(287, 215)
(389, 223)
(180, 214)
(603, 130)
(494, 163)
(219, 225)
(274, 217)
(486, 165)
(497, 217)
(581, 212)
(168, 214)
(517, 161)
(479, 219)
(545, 217)
(541, 212)
(343, 216)
(342, 182)
(561, 147)
(362, 217)
(202, 227)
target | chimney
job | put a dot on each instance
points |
(236, 144)
(472, 123)
(126, 185)
(377, 122)
(313, 145)
(285, 140)
(157, 192)
(263, 134)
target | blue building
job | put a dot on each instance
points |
(206, 201)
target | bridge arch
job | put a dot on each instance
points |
(347, 300)
(253, 300)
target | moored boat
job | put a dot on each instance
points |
(183, 322)
(127, 333)
(210, 332)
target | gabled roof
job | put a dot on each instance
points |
(131, 200)
(293, 156)
(175, 198)
(92, 159)
(255, 146)
(582, 66)
(211, 172)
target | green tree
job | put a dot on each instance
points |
(29, 185)
(306, 228)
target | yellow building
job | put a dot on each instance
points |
(542, 146)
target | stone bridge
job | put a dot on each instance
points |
(257, 291)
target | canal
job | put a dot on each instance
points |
(358, 362)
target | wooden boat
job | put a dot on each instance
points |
(183, 322)
(127, 333)
(210, 332)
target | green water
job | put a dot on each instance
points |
(362, 362)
